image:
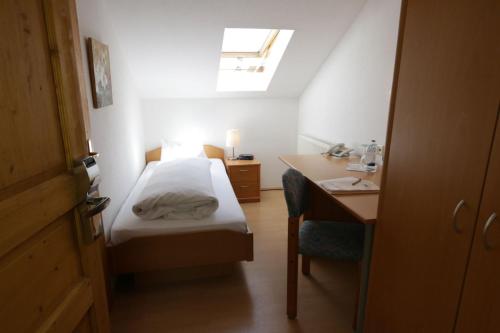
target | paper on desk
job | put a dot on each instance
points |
(345, 186)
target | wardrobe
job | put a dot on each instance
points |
(436, 252)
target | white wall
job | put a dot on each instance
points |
(268, 127)
(116, 130)
(348, 100)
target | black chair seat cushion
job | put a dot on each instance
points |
(334, 240)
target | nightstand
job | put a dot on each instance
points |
(245, 178)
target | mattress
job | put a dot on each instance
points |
(228, 216)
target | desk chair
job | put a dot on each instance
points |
(328, 239)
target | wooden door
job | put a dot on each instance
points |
(480, 306)
(442, 120)
(50, 280)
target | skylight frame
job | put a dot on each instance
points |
(251, 71)
(264, 50)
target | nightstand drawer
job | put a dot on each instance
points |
(245, 179)
(245, 190)
(245, 173)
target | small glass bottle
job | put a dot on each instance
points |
(369, 158)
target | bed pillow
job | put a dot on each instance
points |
(173, 150)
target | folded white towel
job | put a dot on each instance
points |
(178, 190)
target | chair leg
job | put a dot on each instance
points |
(292, 267)
(355, 319)
(306, 265)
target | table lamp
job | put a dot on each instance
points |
(233, 140)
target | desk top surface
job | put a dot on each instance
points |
(318, 167)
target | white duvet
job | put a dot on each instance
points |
(228, 217)
(178, 190)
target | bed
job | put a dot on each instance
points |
(149, 245)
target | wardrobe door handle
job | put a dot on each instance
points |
(487, 226)
(460, 204)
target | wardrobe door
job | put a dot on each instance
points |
(480, 306)
(442, 120)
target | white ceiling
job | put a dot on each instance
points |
(173, 46)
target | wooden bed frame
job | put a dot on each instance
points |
(154, 253)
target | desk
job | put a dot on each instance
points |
(361, 208)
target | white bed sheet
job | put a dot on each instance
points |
(228, 216)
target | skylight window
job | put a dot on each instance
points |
(249, 58)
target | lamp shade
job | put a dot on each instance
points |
(233, 138)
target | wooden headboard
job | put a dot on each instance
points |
(211, 151)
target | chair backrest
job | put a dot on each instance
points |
(294, 185)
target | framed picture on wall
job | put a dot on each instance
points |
(100, 73)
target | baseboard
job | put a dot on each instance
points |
(271, 188)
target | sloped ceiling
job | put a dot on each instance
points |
(173, 46)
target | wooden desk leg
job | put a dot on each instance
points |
(306, 265)
(365, 271)
(292, 267)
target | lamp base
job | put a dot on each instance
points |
(232, 158)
